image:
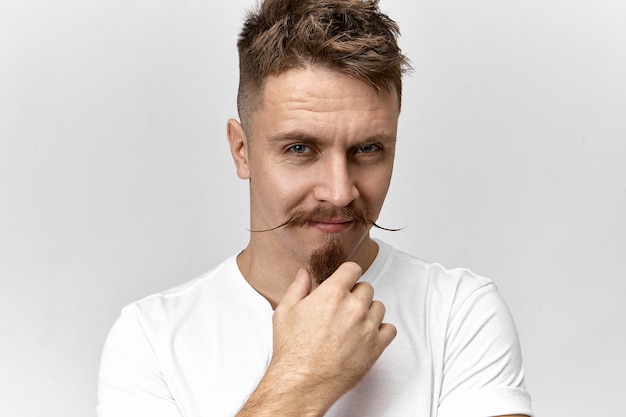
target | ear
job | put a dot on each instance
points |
(238, 143)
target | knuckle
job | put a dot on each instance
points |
(379, 307)
(356, 309)
(363, 286)
(334, 291)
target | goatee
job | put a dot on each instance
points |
(325, 260)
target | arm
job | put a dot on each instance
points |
(325, 342)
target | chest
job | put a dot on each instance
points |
(227, 361)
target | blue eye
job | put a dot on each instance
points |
(299, 149)
(369, 148)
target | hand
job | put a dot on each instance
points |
(325, 341)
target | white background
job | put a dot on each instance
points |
(115, 178)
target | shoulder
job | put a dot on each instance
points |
(182, 301)
(408, 272)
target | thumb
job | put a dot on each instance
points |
(299, 289)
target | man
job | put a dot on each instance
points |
(290, 326)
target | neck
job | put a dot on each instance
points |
(271, 272)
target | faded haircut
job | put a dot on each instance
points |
(349, 36)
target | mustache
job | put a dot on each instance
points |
(301, 218)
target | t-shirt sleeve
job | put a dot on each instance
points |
(483, 372)
(130, 383)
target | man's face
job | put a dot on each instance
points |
(320, 140)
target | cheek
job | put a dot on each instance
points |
(374, 186)
(287, 186)
(278, 191)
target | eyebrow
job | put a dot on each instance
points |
(297, 136)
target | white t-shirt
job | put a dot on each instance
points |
(201, 348)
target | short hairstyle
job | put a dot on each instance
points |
(350, 36)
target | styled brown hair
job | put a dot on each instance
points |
(351, 36)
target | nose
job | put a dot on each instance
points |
(335, 183)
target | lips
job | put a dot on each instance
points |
(331, 225)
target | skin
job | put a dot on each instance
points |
(321, 139)
(324, 139)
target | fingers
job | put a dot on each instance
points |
(339, 316)
(377, 311)
(386, 331)
(346, 276)
(364, 291)
(298, 290)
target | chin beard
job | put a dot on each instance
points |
(325, 260)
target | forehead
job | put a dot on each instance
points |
(309, 82)
(319, 99)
